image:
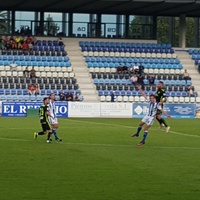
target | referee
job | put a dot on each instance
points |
(46, 126)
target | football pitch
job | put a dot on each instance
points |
(98, 160)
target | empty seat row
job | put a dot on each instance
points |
(194, 51)
(132, 60)
(141, 99)
(34, 58)
(47, 42)
(129, 54)
(48, 48)
(123, 44)
(31, 52)
(55, 74)
(130, 50)
(35, 63)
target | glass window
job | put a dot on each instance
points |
(5, 22)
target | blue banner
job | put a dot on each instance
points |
(19, 109)
(174, 110)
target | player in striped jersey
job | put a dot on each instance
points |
(53, 121)
(150, 116)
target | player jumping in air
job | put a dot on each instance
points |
(161, 98)
(150, 116)
(46, 126)
(54, 120)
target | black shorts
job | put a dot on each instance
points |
(46, 126)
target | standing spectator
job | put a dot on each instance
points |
(69, 96)
(32, 73)
(151, 79)
(37, 89)
(186, 76)
(31, 89)
(134, 79)
(60, 42)
(190, 91)
(26, 72)
(120, 69)
(113, 97)
(62, 95)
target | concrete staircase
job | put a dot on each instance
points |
(188, 63)
(81, 71)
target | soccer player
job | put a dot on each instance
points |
(161, 98)
(46, 126)
(54, 120)
(150, 116)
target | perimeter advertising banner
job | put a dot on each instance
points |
(19, 109)
(175, 110)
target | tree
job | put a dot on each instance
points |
(50, 26)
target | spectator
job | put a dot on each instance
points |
(131, 70)
(62, 95)
(34, 41)
(151, 79)
(31, 89)
(125, 68)
(8, 45)
(24, 46)
(13, 66)
(2, 44)
(113, 97)
(29, 39)
(37, 89)
(26, 72)
(186, 75)
(134, 79)
(30, 46)
(77, 97)
(120, 69)
(136, 69)
(60, 42)
(141, 69)
(69, 96)
(18, 41)
(190, 91)
(32, 73)
(140, 80)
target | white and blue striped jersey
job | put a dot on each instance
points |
(52, 108)
(153, 107)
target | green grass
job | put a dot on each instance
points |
(98, 160)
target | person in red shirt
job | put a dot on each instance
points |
(29, 39)
(24, 46)
(31, 89)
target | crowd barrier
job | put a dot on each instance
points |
(109, 110)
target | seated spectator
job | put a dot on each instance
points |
(31, 89)
(32, 73)
(141, 80)
(34, 41)
(69, 96)
(62, 95)
(18, 41)
(136, 69)
(134, 79)
(125, 68)
(60, 42)
(30, 46)
(28, 39)
(26, 72)
(37, 89)
(190, 91)
(186, 75)
(77, 97)
(13, 43)
(2, 44)
(141, 68)
(8, 45)
(131, 70)
(151, 79)
(113, 97)
(13, 66)
(24, 46)
(120, 69)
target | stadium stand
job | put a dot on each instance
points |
(52, 66)
(103, 58)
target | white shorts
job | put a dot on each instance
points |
(53, 120)
(148, 120)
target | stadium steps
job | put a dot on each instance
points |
(82, 74)
(188, 63)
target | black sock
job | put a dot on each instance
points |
(159, 120)
(41, 133)
(49, 135)
(163, 122)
